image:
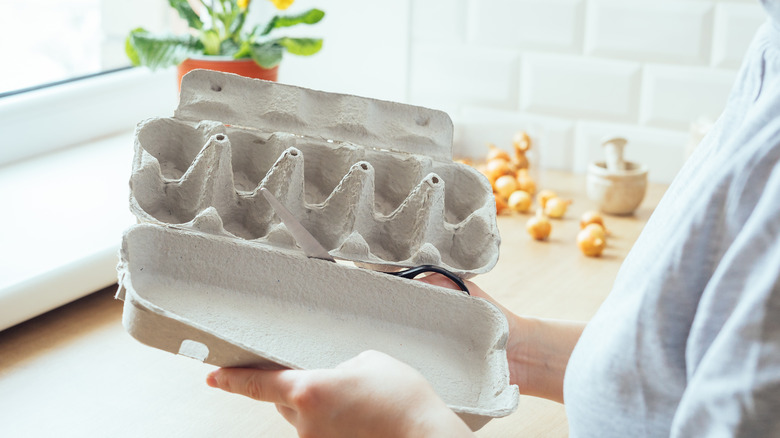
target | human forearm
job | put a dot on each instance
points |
(538, 351)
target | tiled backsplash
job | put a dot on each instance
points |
(573, 71)
(567, 71)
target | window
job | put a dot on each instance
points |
(69, 207)
(56, 40)
(61, 43)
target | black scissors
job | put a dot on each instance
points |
(312, 247)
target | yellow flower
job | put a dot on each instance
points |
(243, 4)
(282, 4)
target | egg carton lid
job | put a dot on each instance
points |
(275, 107)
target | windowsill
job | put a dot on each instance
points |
(61, 226)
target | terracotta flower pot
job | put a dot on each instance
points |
(244, 67)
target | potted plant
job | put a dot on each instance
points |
(218, 40)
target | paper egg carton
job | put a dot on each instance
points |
(373, 181)
(212, 273)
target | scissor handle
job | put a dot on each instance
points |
(417, 270)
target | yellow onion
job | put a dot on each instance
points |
(495, 152)
(544, 196)
(500, 204)
(521, 142)
(525, 182)
(520, 162)
(556, 207)
(496, 168)
(591, 217)
(592, 240)
(505, 185)
(519, 201)
(539, 226)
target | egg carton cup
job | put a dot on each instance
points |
(373, 181)
(211, 273)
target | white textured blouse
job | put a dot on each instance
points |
(688, 342)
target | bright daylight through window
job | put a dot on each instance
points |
(65, 149)
(56, 40)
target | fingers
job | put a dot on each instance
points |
(438, 280)
(442, 281)
(474, 290)
(271, 386)
(289, 414)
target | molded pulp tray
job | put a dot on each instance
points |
(212, 274)
(373, 181)
(267, 312)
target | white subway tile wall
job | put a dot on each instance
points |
(464, 82)
(573, 71)
(580, 87)
(496, 126)
(734, 26)
(677, 32)
(663, 151)
(527, 24)
(365, 50)
(671, 95)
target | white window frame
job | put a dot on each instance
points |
(50, 118)
(50, 123)
(75, 136)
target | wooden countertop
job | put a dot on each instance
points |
(76, 372)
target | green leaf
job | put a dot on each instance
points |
(186, 12)
(132, 54)
(268, 54)
(224, 17)
(237, 24)
(228, 6)
(208, 7)
(301, 46)
(245, 51)
(229, 48)
(211, 42)
(311, 16)
(256, 33)
(158, 51)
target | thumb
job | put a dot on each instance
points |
(271, 386)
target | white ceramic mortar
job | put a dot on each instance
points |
(616, 185)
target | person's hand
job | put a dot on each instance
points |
(370, 395)
(537, 350)
(517, 372)
(474, 291)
